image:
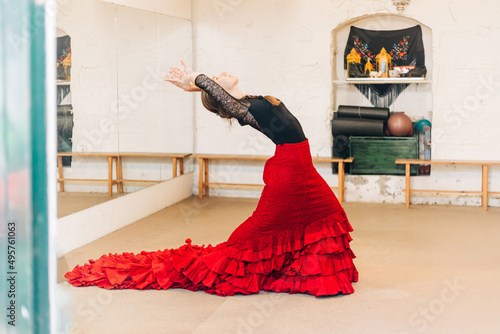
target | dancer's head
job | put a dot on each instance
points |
(227, 82)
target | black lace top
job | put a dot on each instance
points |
(276, 122)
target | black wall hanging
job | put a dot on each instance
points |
(406, 48)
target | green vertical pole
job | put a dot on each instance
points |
(16, 255)
(24, 237)
(41, 306)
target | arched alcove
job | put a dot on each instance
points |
(416, 99)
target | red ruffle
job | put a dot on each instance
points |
(318, 262)
(296, 241)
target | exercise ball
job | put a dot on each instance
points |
(400, 125)
(419, 126)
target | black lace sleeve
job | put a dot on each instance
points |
(236, 108)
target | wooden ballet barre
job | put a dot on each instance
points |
(117, 157)
(204, 184)
(484, 187)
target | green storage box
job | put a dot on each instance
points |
(377, 155)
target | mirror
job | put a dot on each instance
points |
(114, 109)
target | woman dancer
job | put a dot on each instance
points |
(296, 241)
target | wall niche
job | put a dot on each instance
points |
(413, 96)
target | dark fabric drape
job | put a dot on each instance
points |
(405, 46)
(381, 96)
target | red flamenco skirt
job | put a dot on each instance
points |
(296, 241)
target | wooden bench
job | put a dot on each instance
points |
(177, 158)
(484, 190)
(204, 183)
(117, 158)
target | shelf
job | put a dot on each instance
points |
(371, 81)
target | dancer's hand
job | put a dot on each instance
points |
(189, 72)
(178, 78)
(183, 78)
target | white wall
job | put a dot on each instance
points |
(120, 55)
(283, 48)
(177, 8)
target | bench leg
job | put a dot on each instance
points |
(60, 169)
(341, 181)
(181, 166)
(174, 165)
(110, 176)
(119, 174)
(484, 188)
(207, 191)
(407, 192)
(200, 182)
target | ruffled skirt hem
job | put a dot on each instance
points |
(315, 259)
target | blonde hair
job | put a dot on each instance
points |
(211, 105)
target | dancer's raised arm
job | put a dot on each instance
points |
(220, 95)
(181, 78)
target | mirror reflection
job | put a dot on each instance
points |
(120, 126)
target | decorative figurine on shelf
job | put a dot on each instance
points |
(368, 66)
(394, 73)
(66, 63)
(383, 60)
(353, 61)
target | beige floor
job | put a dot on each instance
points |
(427, 269)
(69, 202)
